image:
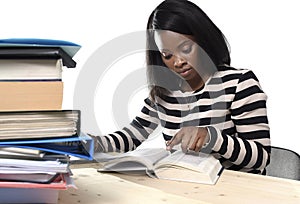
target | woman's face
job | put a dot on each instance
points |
(179, 53)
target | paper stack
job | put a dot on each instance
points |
(36, 135)
(32, 178)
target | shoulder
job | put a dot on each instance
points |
(227, 73)
(245, 82)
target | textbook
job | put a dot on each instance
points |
(31, 70)
(161, 164)
(31, 95)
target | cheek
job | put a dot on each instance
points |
(168, 63)
(193, 59)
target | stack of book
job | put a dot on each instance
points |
(31, 73)
(37, 137)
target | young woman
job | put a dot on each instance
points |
(201, 102)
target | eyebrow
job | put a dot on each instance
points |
(184, 42)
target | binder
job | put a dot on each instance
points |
(37, 53)
(47, 117)
(31, 48)
(81, 146)
(69, 47)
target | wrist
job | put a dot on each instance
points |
(207, 138)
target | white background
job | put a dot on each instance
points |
(264, 36)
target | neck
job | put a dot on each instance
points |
(195, 84)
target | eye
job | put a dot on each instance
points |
(167, 56)
(187, 49)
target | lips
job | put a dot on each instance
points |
(184, 72)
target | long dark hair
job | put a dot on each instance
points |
(183, 17)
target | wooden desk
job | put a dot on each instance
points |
(232, 187)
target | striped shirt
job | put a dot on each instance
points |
(231, 105)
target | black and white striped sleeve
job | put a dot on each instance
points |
(248, 149)
(134, 134)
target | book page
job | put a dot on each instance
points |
(198, 168)
(196, 162)
(140, 159)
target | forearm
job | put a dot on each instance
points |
(251, 154)
(127, 139)
(131, 136)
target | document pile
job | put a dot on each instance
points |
(37, 137)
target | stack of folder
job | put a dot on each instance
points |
(37, 137)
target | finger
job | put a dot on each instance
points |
(193, 144)
(195, 137)
(169, 141)
(185, 143)
(176, 139)
(199, 144)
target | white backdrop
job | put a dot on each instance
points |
(264, 36)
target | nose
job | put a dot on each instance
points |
(179, 62)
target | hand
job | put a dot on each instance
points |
(191, 138)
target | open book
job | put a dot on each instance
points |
(159, 163)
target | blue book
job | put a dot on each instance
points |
(81, 146)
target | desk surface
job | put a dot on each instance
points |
(232, 187)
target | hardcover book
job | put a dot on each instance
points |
(159, 163)
(31, 95)
(31, 70)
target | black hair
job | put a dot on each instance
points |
(183, 17)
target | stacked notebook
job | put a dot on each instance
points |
(37, 137)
